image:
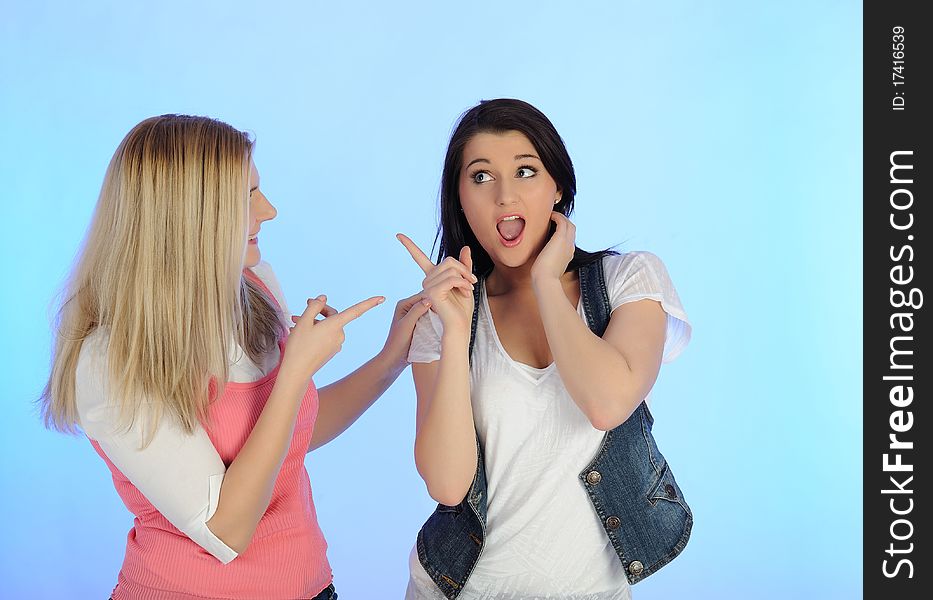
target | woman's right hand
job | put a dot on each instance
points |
(312, 342)
(448, 286)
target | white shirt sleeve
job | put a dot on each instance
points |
(264, 271)
(426, 339)
(638, 275)
(178, 473)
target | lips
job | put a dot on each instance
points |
(511, 228)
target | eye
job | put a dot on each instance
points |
(526, 172)
(481, 177)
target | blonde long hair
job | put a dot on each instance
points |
(161, 271)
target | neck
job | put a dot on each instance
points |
(506, 280)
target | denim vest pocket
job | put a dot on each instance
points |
(453, 538)
(667, 489)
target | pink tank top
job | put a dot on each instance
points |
(286, 558)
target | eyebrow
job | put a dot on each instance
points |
(476, 160)
(517, 157)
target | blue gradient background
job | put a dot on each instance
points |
(723, 136)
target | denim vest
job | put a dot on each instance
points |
(630, 485)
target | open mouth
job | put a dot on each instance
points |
(511, 228)
(253, 239)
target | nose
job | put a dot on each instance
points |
(506, 194)
(267, 211)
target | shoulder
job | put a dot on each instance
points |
(632, 258)
(92, 359)
(638, 275)
(639, 264)
(91, 374)
(426, 338)
(429, 326)
(100, 412)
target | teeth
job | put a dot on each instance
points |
(514, 218)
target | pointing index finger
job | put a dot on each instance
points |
(357, 310)
(420, 257)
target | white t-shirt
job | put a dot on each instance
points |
(543, 538)
(178, 473)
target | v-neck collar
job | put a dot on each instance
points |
(533, 374)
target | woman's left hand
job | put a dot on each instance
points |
(407, 312)
(557, 253)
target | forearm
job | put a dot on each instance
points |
(342, 402)
(597, 376)
(250, 478)
(445, 443)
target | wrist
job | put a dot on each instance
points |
(544, 284)
(455, 337)
(292, 372)
(293, 378)
(388, 364)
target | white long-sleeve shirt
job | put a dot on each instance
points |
(180, 474)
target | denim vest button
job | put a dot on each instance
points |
(594, 477)
(635, 567)
(613, 522)
(669, 490)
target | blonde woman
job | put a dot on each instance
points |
(173, 354)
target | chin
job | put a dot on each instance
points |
(512, 259)
(514, 262)
(252, 258)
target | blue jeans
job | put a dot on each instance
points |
(328, 593)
